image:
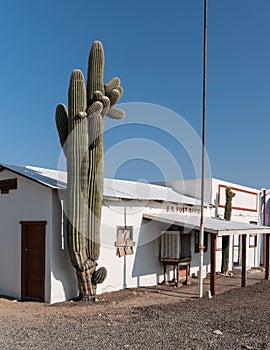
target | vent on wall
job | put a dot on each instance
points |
(170, 245)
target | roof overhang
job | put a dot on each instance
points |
(211, 225)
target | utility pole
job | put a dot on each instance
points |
(201, 237)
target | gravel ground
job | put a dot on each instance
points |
(144, 318)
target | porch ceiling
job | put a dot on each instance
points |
(211, 225)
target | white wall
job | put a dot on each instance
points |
(247, 201)
(140, 269)
(245, 197)
(29, 202)
(143, 267)
(35, 202)
(192, 188)
(194, 267)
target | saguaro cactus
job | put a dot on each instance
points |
(81, 135)
(226, 239)
(228, 205)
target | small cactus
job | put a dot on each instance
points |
(80, 132)
(228, 205)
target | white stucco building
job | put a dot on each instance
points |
(245, 208)
(34, 259)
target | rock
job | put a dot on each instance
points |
(217, 332)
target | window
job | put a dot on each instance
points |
(7, 185)
(253, 222)
(205, 241)
(185, 245)
(252, 240)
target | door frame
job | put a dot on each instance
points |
(24, 225)
(239, 249)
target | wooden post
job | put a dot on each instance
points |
(187, 273)
(213, 264)
(264, 250)
(164, 271)
(267, 246)
(244, 261)
(177, 281)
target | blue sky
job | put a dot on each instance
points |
(155, 47)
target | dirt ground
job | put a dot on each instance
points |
(157, 317)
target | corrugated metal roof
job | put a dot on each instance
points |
(144, 191)
(211, 225)
(50, 178)
(113, 188)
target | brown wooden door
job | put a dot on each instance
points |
(33, 260)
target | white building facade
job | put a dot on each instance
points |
(34, 258)
(245, 208)
(31, 231)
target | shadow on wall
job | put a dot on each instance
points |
(147, 259)
(64, 282)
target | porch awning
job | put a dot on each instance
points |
(211, 225)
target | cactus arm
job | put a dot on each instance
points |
(99, 275)
(76, 94)
(121, 91)
(114, 96)
(106, 105)
(115, 113)
(61, 118)
(95, 129)
(95, 71)
(112, 84)
(96, 178)
(77, 166)
(96, 92)
(97, 95)
(95, 108)
(114, 91)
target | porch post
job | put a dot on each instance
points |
(244, 261)
(213, 264)
(267, 246)
(164, 272)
